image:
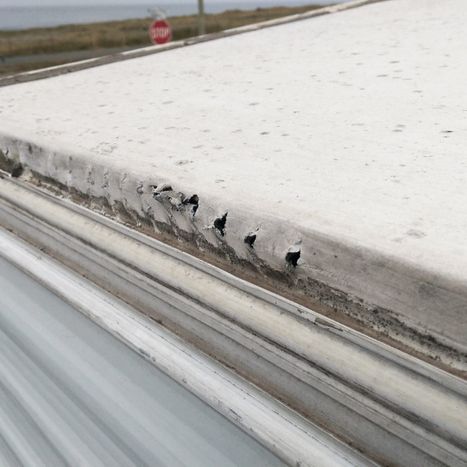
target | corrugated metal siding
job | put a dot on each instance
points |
(72, 394)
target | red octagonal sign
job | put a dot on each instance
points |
(160, 31)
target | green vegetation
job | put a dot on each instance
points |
(113, 35)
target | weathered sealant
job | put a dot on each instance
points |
(131, 200)
(365, 169)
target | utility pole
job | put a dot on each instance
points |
(201, 22)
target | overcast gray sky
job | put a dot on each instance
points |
(141, 2)
(100, 2)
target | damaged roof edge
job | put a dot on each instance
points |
(371, 288)
(146, 274)
(154, 49)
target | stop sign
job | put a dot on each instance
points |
(160, 31)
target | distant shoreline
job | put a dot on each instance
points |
(25, 18)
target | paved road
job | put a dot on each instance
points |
(71, 394)
(10, 64)
(70, 56)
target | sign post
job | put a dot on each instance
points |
(201, 21)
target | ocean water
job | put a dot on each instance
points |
(44, 16)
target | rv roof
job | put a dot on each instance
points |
(349, 126)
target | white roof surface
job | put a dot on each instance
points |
(351, 126)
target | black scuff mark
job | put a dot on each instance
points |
(250, 238)
(17, 170)
(293, 255)
(192, 201)
(157, 190)
(220, 223)
(166, 195)
(177, 200)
